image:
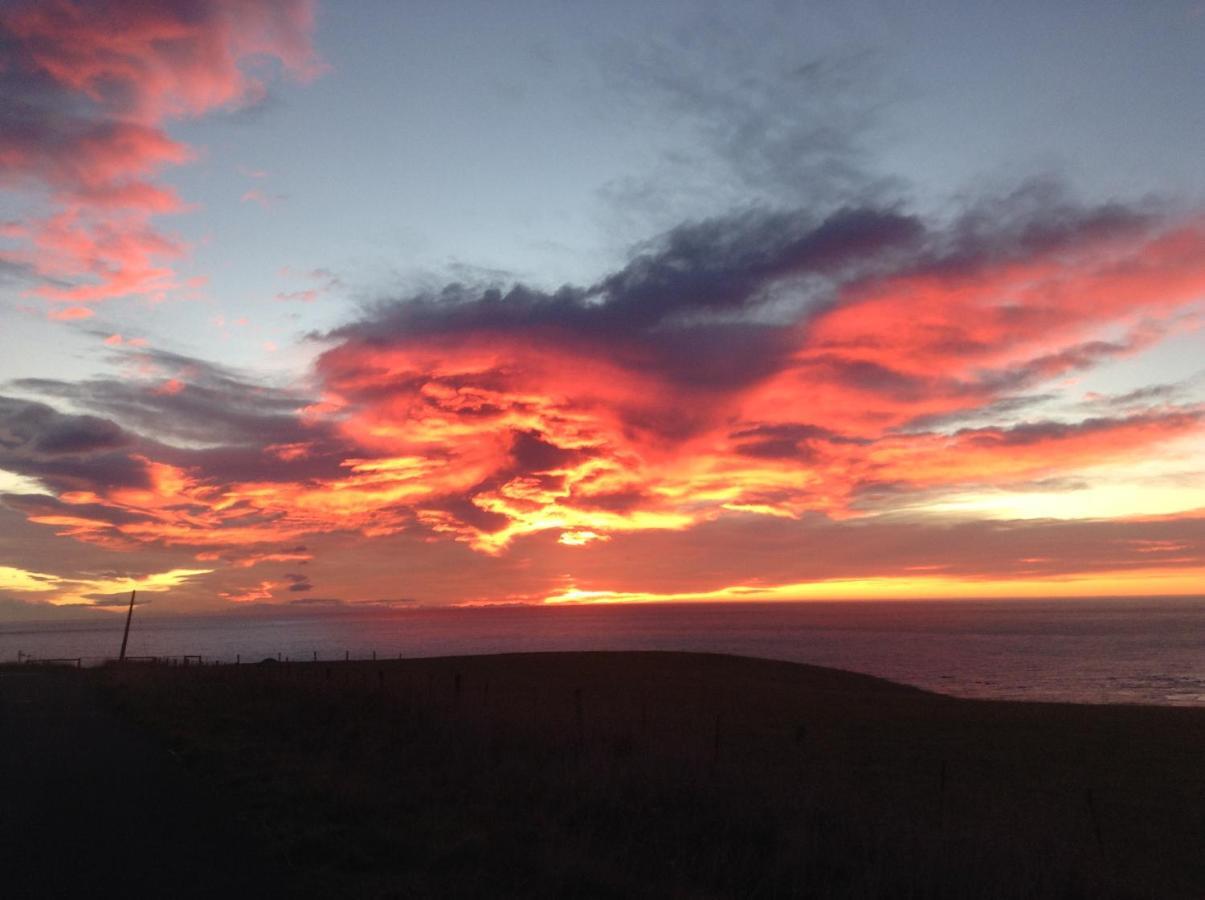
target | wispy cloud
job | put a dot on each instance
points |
(85, 93)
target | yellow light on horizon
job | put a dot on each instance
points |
(1130, 583)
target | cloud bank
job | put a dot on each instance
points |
(768, 367)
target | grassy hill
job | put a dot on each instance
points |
(673, 774)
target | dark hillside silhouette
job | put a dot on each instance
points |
(670, 774)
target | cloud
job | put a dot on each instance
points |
(751, 557)
(770, 361)
(766, 367)
(67, 452)
(91, 590)
(298, 583)
(256, 593)
(749, 117)
(186, 400)
(85, 92)
(322, 283)
(263, 198)
(12, 272)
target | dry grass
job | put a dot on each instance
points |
(667, 774)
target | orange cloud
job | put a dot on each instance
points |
(255, 593)
(619, 442)
(772, 370)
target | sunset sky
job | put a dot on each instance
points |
(412, 303)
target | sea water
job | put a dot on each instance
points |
(1149, 650)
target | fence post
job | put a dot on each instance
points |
(125, 636)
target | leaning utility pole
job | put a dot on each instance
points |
(125, 637)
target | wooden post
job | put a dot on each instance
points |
(126, 635)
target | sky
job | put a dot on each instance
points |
(314, 304)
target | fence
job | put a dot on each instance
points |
(185, 659)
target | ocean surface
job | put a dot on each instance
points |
(1149, 650)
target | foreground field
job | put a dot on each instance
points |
(669, 774)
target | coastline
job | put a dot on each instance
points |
(1127, 651)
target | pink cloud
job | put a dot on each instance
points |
(71, 313)
(94, 85)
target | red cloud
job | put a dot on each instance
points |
(89, 88)
(660, 401)
(631, 444)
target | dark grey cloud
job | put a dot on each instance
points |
(66, 452)
(298, 583)
(695, 306)
(993, 411)
(13, 271)
(1152, 396)
(189, 400)
(717, 268)
(196, 414)
(1039, 216)
(786, 441)
(48, 432)
(722, 303)
(1028, 433)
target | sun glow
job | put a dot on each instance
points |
(1141, 582)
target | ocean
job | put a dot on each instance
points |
(1148, 650)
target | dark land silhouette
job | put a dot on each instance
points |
(602, 775)
(92, 806)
